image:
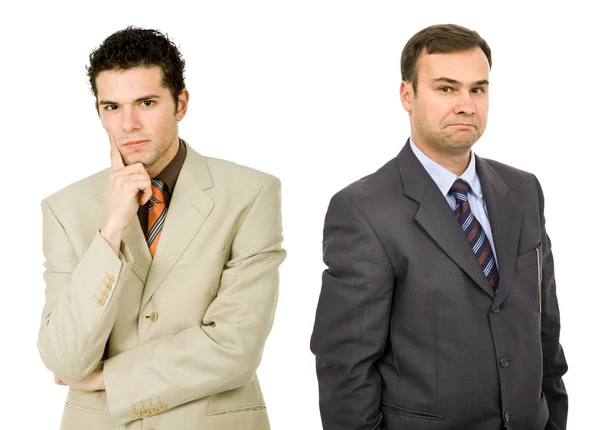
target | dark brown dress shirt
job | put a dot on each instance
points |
(169, 176)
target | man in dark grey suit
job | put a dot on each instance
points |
(438, 309)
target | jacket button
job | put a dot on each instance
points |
(496, 310)
(506, 417)
(504, 362)
(153, 316)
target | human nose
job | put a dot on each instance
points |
(130, 121)
(464, 104)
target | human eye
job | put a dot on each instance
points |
(446, 89)
(110, 108)
(148, 103)
(478, 90)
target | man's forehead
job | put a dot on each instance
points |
(134, 82)
(462, 67)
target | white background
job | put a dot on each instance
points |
(307, 91)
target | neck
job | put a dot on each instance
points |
(456, 161)
(165, 159)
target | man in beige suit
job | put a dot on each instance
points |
(162, 271)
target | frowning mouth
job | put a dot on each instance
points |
(462, 125)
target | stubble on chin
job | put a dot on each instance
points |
(461, 140)
(146, 160)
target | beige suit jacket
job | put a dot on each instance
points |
(179, 336)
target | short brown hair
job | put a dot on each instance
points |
(138, 47)
(441, 38)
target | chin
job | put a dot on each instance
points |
(132, 160)
(464, 142)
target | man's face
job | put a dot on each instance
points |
(139, 113)
(448, 114)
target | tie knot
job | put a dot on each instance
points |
(460, 190)
(158, 187)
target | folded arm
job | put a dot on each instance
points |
(81, 300)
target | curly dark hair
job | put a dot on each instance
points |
(139, 47)
(441, 38)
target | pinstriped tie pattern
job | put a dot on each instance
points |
(157, 212)
(474, 232)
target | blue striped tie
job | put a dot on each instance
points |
(474, 232)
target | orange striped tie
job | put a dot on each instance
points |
(157, 213)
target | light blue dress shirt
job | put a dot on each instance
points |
(444, 180)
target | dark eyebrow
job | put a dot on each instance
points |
(455, 82)
(450, 81)
(138, 100)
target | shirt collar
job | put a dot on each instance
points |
(444, 178)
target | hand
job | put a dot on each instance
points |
(128, 189)
(58, 381)
(94, 382)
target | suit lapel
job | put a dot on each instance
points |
(436, 218)
(505, 219)
(188, 210)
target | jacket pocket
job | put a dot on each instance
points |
(399, 410)
(529, 273)
(82, 400)
(237, 411)
(527, 260)
(80, 407)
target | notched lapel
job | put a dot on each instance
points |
(505, 219)
(188, 210)
(436, 218)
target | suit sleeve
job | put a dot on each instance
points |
(224, 350)
(555, 364)
(82, 296)
(352, 320)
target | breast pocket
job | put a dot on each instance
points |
(529, 273)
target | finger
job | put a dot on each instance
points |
(130, 170)
(135, 168)
(138, 185)
(146, 191)
(121, 176)
(142, 184)
(145, 195)
(134, 177)
(116, 160)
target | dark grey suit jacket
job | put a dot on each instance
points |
(408, 333)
